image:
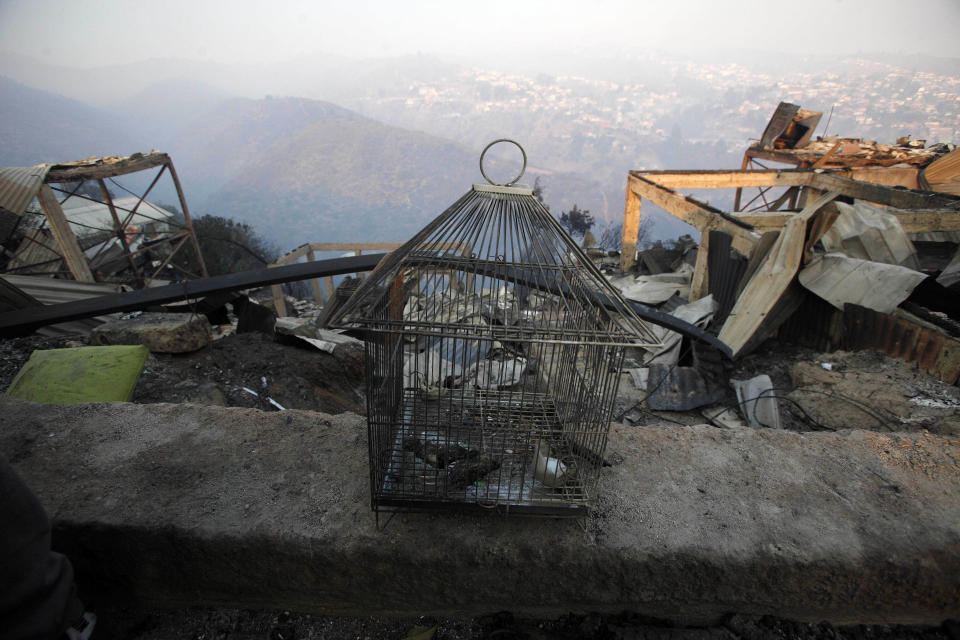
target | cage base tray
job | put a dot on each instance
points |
(474, 451)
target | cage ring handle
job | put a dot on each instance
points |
(522, 169)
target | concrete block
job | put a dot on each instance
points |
(183, 505)
(159, 332)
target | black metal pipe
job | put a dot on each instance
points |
(24, 321)
(528, 278)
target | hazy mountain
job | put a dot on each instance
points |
(318, 76)
(298, 167)
(38, 126)
(304, 170)
(160, 110)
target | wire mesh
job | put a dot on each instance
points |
(493, 350)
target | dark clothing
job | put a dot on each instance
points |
(37, 595)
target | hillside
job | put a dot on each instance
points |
(301, 170)
(38, 126)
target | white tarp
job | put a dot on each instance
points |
(658, 288)
(951, 273)
(698, 312)
(328, 340)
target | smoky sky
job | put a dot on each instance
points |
(106, 32)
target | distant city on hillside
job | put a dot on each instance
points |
(402, 136)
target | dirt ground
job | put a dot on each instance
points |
(853, 390)
(816, 391)
(299, 376)
(236, 624)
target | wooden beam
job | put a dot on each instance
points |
(279, 300)
(99, 168)
(304, 249)
(700, 283)
(919, 221)
(769, 284)
(825, 158)
(315, 282)
(890, 176)
(880, 194)
(783, 157)
(630, 230)
(727, 179)
(293, 255)
(701, 216)
(739, 193)
(66, 240)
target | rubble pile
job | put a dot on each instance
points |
(862, 285)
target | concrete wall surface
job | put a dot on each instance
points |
(171, 505)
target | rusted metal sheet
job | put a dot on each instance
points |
(18, 186)
(899, 338)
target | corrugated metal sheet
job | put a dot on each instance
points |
(18, 292)
(902, 339)
(726, 269)
(53, 291)
(12, 297)
(36, 253)
(88, 218)
(18, 186)
(869, 232)
(839, 279)
(816, 324)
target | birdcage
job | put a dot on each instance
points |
(493, 353)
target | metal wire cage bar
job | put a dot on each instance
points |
(493, 352)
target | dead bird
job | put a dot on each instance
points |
(438, 455)
(463, 473)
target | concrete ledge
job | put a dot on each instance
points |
(173, 505)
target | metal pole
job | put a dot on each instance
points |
(120, 233)
(186, 217)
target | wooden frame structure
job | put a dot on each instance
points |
(311, 248)
(902, 175)
(67, 178)
(775, 260)
(309, 251)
